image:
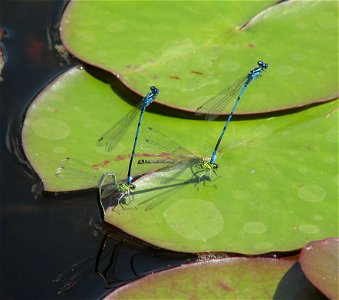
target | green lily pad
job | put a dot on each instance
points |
(192, 55)
(66, 120)
(273, 191)
(320, 262)
(276, 187)
(230, 278)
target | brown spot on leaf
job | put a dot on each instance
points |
(120, 157)
(225, 287)
(101, 165)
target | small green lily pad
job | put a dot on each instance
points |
(276, 182)
(192, 51)
(230, 278)
(320, 262)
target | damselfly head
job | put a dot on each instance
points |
(262, 64)
(215, 166)
(154, 90)
(132, 186)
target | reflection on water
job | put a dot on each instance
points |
(120, 259)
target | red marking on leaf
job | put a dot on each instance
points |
(106, 162)
(225, 287)
(250, 45)
(162, 155)
(101, 165)
(120, 157)
(175, 77)
(145, 154)
(148, 155)
(165, 154)
(197, 72)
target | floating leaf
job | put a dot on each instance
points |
(66, 120)
(271, 193)
(320, 262)
(230, 278)
(276, 187)
(191, 52)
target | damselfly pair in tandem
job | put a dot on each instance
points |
(181, 158)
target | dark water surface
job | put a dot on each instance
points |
(43, 236)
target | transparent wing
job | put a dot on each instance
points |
(113, 135)
(165, 154)
(218, 103)
(83, 175)
(75, 274)
(77, 171)
(155, 142)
